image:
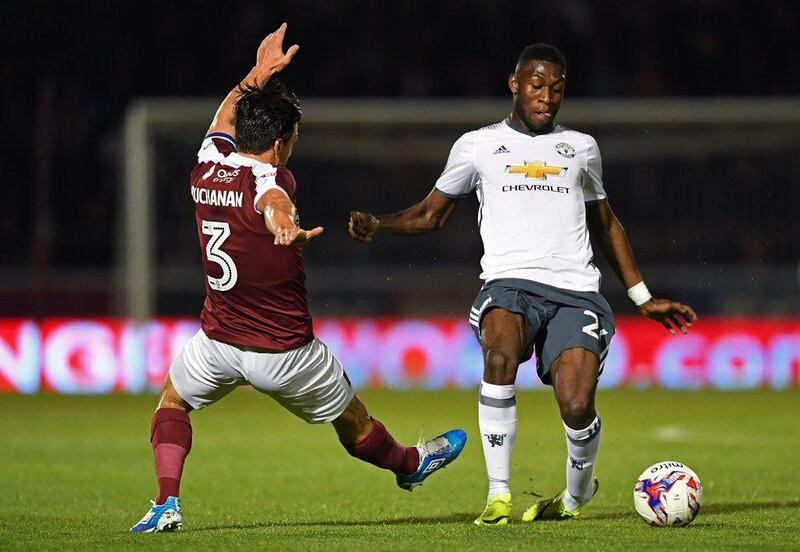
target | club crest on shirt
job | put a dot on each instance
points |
(565, 150)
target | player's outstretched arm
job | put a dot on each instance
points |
(270, 59)
(426, 216)
(280, 215)
(608, 234)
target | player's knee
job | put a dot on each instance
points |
(352, 426)
(171, 399)
(577, 410)
(500, 367)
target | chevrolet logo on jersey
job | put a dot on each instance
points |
(537, 170)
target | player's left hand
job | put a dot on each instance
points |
(296, 236)
(671, 314)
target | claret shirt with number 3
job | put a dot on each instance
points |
(255, 290)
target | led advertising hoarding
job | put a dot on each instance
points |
(108, 355)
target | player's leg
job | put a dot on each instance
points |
(354, 424)
(574, 375)
(368, 439)
(504, 340)
(171, 440)
(204, 372)
(571, 359)
(310, 382)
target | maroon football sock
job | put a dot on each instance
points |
(171, 439)
(380, 449)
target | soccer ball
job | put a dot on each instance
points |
(668, 494)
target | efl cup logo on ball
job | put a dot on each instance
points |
(668, 494)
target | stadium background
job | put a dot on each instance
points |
(695, 107)
(709, 201)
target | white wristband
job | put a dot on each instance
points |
(639, 294)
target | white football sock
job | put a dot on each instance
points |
(582, 447)
(497, 418)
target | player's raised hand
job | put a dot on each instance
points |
(671, 314)
(362, 226)
(270, 56)
(296, 236)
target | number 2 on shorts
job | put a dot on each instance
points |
(592, 327)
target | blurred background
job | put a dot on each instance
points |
(104, 104)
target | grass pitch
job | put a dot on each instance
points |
(76, 473)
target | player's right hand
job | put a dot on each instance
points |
(362, 226)
(270, 56)
(296, 237)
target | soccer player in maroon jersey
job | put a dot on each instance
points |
(255, 324)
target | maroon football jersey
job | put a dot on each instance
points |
(255, 290)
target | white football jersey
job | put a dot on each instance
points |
(533, 190)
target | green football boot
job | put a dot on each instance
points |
(553, 508)
(497, 512)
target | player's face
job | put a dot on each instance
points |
(285, 152)
(538, 88)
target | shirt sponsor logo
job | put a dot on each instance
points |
(538, 170)
(221, 198)
(535, 188)
(226, 177)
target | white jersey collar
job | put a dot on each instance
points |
(522, 130)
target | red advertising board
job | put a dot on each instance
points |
(109, 355)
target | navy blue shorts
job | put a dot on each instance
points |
(557, 319)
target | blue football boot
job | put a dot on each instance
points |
(161, 517)
(434, 455)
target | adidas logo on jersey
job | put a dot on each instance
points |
(501, 149)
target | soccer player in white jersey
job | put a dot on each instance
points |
(541, 201)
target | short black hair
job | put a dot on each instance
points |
(542, 52)
(263, 115)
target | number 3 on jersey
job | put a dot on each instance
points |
(219, 232)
